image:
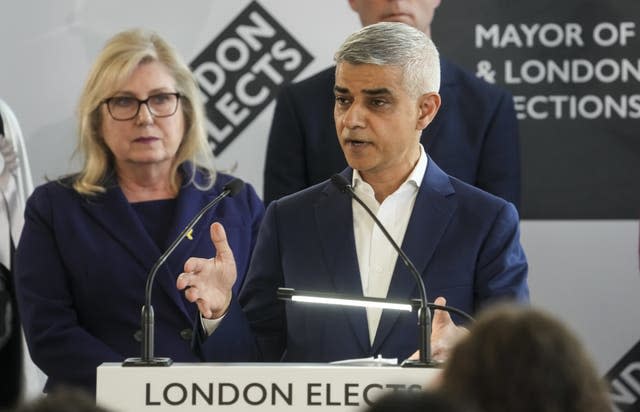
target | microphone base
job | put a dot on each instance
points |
(147, 362)
(415, 363)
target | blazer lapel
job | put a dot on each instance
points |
(189, 203)
(334, 220)
(433, 209)
(117, 217)
(113, 212)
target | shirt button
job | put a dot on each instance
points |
(186, 334)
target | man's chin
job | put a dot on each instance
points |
(356, 152)
(357, 162)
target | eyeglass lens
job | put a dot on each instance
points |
(127, 107)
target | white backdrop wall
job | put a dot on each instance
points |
(584, 271)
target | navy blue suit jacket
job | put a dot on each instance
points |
(464, 242)
(81, 268)
(474, 136)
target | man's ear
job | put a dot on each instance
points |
(428, 105)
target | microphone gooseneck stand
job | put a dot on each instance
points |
(147, 358)
(424, 316)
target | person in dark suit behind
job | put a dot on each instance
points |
(523, 359)
(474, 137)
(91, 238)
(462, 240)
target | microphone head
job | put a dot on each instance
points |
(341, 181)
(234, 186)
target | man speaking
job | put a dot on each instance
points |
(463, 241)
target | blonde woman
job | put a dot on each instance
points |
(91, 238)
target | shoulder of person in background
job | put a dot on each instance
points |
(415, 401)
(62, 399)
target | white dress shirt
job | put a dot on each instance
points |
(376, 256)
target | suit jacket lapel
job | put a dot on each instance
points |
(434, 206)
(334, 221)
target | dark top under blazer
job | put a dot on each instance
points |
(464, 242)
(474, 136)
(81, 268)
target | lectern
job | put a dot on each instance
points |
(277, 387)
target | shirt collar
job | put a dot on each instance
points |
(415, 177)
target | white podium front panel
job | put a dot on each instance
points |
(246, 386)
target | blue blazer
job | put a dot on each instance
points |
(474, 136)
(81, 268)
(464, 242)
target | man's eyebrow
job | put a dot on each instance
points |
(371, 92)
(376, 92)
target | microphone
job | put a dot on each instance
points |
(424, 316)
(147, 359)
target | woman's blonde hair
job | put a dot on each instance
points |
(122, 54)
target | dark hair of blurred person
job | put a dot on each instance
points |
(523, 359)
(62, 399)
(415, 401)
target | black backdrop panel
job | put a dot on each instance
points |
(573, 67)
